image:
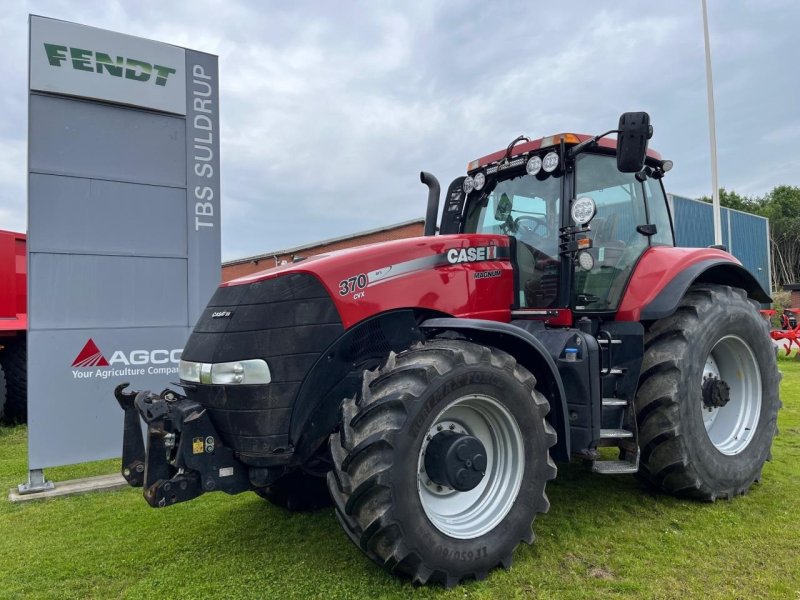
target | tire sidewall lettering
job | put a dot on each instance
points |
(458, 382)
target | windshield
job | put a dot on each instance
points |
(525, 207)
(528, 208)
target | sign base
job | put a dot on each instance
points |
(67, 488)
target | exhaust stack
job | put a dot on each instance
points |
(433, 202)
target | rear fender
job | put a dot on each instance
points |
(529, 352)
(664, 275)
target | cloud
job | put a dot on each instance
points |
(330, 110)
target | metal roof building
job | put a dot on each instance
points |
(745, 235)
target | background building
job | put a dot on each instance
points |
(745, 235)
(253, 264)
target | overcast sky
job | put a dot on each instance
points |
(329, 110)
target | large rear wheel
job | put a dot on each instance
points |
(707, 402)
(441, 462)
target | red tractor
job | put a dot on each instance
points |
(428, 386)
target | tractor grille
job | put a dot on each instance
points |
(288, 321)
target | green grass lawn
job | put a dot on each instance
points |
(604, 537)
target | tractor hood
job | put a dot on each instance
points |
(288, 316)
(466, 275)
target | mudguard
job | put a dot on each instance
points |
(338, 372)
(663, 276)
(530, 353)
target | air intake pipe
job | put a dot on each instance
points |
(433, 202)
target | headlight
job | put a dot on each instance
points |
(586, 261)
(583, 210)
(550, 162)
(189, 371)
(479, 181)
(468, 185)
(534, 165)
(246, 372)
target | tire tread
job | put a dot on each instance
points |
(359, 480)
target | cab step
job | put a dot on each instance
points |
(615, 402)
(617, 412)
(615, 434)
(614, 467)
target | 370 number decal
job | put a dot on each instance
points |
(352, 284)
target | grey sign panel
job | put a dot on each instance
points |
(91, 139)
(76, 60)
(202, 174)
(124, 236)
(74, 417)
(65, 219)
(72, 291)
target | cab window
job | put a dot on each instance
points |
(620, 200)
(527, 208)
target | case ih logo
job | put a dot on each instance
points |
(90, 356)
(454, 255)
(123, 364)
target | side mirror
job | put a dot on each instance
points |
(634, 131)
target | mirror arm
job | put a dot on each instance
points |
(585, 145)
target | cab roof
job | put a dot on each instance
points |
(551, 140)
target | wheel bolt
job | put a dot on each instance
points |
(439, 428)
(452, 427)
(438, 488)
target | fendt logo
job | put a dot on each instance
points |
(100, 62)
(91, 363)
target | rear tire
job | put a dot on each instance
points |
(383, 497)
(298, 491)
(688, 447)
(13, 360)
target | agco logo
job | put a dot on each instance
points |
(456, 255)
(99, 62)
(123, 364)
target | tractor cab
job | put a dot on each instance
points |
(577, 221)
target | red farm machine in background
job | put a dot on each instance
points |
(13, 325)
(789, 330)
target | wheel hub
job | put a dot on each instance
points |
(731, 395)
(455, 460)
(471, 513)
(716, 393)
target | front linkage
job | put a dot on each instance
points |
(184, 456)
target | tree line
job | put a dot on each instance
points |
(782, 207)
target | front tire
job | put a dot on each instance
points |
(707, 444)
(388, 503)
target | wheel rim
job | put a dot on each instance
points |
(470, 514)
(731, 427)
